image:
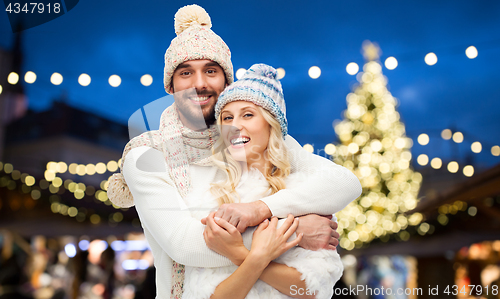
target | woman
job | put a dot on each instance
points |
(252, 160)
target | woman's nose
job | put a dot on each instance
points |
(235, 128)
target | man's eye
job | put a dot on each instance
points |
(185, 73)
(211, 71)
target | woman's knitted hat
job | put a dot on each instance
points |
(195, 41)
(260, 86)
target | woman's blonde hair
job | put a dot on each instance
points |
(276, 152)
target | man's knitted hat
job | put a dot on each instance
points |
(260, 86)
(194, 41)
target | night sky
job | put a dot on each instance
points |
(129, 39)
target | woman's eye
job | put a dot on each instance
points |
(248, 115)
(227, 118)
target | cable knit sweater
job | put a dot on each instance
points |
(320, 269)
(173, 233)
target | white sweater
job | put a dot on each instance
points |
(320, 269)
(173, 233)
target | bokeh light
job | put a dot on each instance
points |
(56, 79)
(458, 137)
(29, 180)
(72, 168)
(112, 166)
(476, 147)
(453, 167)
(90, 169)
(308, 147)
(353, 148)
(330, 149)
(446, 134)
(84, 80)
(13, 78)
(240, 72)
(423, 139)
(391, 63)
(281, 73)
(468, 170)
(431, 59)
(115, 80)
(62, 167)
(436, 163)
(146, 80)
(70, 250)
(95, 219)
(314, 72)
(472, 211)
(30, 77)
(471, 52)
(495, 150)
(100, 168)
(352, 68)
(422, 159)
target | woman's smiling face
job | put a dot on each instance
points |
(245, 132)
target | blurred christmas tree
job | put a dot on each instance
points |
(375, 148)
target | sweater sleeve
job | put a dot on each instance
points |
(162, 211)
(325, 187)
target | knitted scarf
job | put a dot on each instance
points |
(181, 147)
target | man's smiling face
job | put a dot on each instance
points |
(197, 85)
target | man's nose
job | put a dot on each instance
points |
(200, 82)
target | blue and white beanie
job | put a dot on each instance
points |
(260, 86)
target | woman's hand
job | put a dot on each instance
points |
(223, 238)
(269, 242)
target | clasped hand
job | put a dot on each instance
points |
(319, 231)
(243, 215)
(268, 242)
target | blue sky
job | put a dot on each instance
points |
(129, 38)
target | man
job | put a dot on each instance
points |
(197, 68)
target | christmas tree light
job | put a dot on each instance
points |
(375, 147)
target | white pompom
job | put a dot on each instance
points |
(189, 15)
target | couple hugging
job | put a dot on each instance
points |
(231, 205)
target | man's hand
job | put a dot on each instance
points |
(319, 232)
(243, 215)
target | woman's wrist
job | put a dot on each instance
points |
(240, 255)
(257, 260)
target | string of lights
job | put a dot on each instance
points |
(423, 159)
(314, 72)
(54, 189)
(80, 169)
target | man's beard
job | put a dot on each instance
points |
(193, 113)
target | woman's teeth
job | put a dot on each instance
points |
(241, 140)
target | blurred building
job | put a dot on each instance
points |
(13, 102)
(70, 155)
(63, 133)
